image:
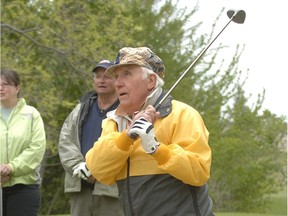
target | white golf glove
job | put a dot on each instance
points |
(145, 130)
(81, 171)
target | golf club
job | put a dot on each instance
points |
(237, 16)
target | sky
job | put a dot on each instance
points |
(266, 45)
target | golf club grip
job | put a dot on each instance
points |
(134, 136)
(157, 106)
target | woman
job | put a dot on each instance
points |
(23, 144)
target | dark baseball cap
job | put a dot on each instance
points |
(103, 64)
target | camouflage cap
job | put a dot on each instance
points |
(141, 56)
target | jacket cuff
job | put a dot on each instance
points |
(162, 154)
(123, 142)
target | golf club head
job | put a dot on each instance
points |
(237, 16)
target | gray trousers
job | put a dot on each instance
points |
(85, 204)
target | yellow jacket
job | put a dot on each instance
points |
(183, 153)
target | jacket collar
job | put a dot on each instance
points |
(151, 99)
(87, 96)
(165, 108)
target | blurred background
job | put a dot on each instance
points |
(54, 46)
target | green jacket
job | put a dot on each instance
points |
(23, 144)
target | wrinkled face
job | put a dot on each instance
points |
(103, 84)
(8, 91)
(132, 87)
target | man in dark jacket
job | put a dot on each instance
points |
(79, 132)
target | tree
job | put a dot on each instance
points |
(55, 44)
(247, 157)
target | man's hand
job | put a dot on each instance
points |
(145, 130)
(149, 114)
(81, 171)
(91, 180)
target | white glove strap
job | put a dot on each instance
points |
(149, 141)
(145, 130)
(81, 171)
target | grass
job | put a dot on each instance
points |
(277, 207)
(233, 214)
(245, 214)
(278, 204)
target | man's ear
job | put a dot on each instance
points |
(152, 81)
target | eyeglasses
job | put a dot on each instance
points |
(5, 85)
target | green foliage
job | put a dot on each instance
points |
(247, 158)
(54, 201)
(55, 44)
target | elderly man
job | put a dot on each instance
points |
(80, 130)
(160, 159)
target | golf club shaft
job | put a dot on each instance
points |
(236, 16)
(192, 64)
